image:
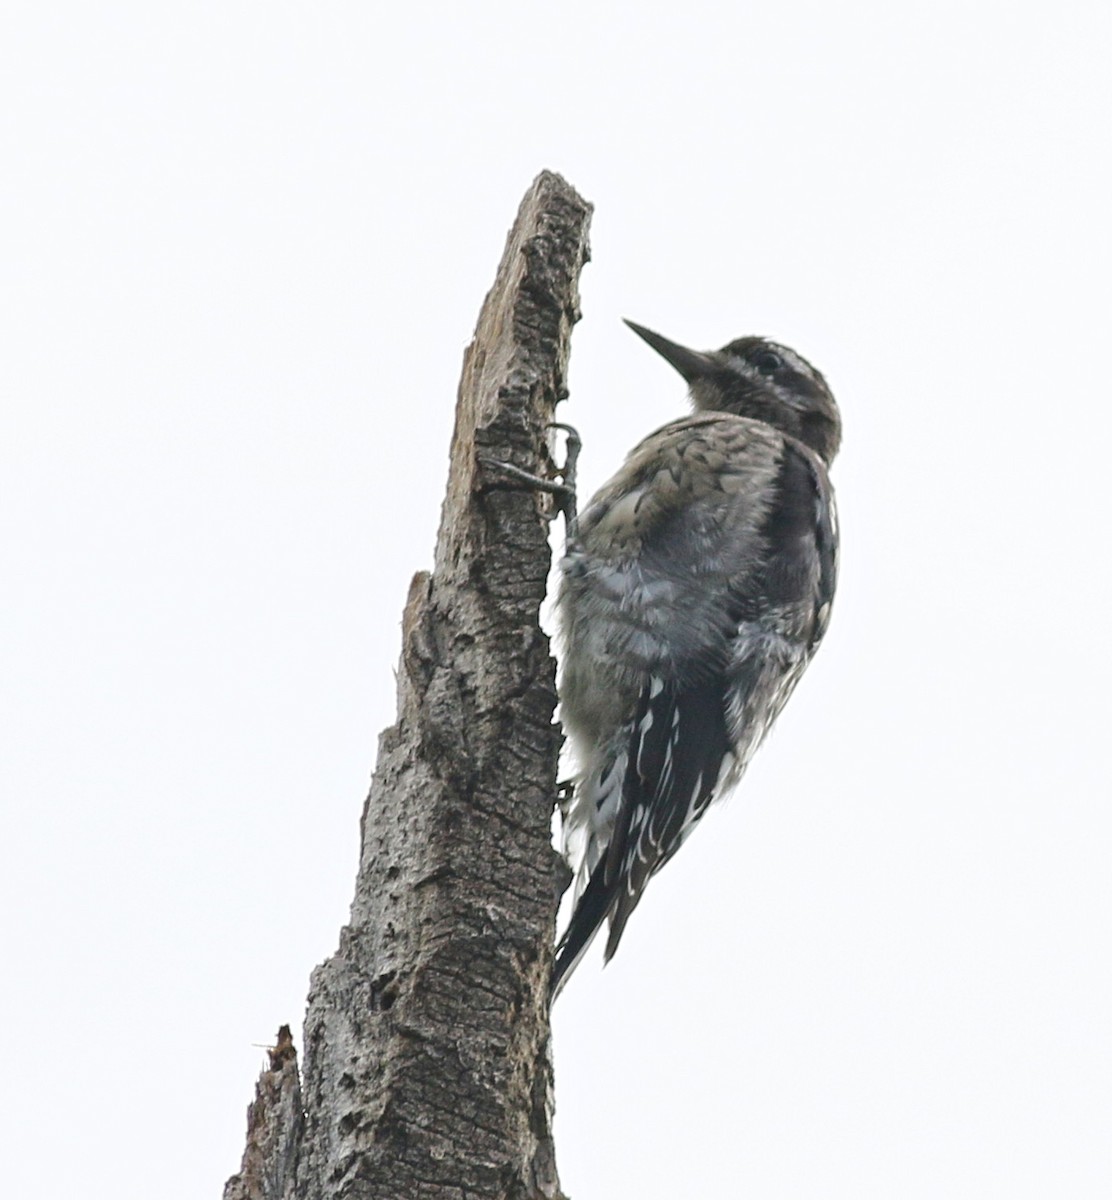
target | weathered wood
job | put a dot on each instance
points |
(274, 1125)
(427, 1070)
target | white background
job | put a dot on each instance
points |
(244, 246)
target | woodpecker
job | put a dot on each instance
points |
(695, 588)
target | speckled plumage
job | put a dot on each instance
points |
(696, 587)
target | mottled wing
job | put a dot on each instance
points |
(730, 538)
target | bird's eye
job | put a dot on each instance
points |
(767, 361)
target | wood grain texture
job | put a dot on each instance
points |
(427, 1068)
(274, 1129)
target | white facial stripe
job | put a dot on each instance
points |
(741, 367)
(744, 367)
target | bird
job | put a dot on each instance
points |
(694, 589)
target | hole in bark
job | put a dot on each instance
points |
(384, 991)
(348, 1122)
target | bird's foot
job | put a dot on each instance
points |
(561, 489)
(565, 793)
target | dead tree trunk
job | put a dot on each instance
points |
(427, 1070)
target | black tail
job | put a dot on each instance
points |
(590, 912)
(678, 741)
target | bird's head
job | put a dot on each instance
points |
(753, 377)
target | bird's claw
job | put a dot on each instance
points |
(565, 792)
(562, 489)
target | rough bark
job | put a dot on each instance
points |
(427, 1070)
(274, 1127)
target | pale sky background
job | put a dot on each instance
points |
(243, 249)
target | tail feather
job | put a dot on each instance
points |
(677, 748)
(590, 912)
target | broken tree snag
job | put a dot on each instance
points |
(274, 1122)
(426, 1039)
